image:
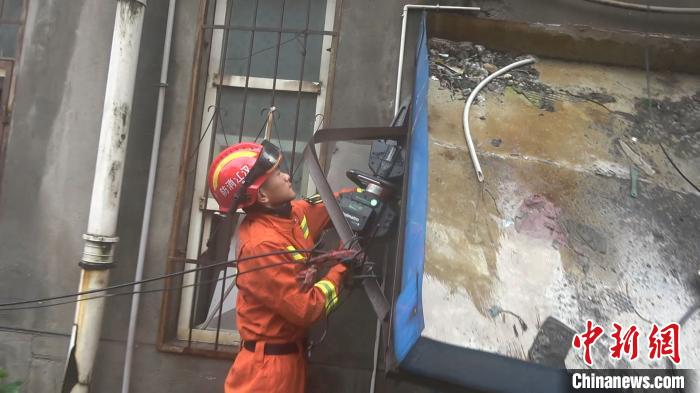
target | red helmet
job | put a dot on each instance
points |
(237, 173)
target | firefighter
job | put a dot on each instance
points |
(272, 311)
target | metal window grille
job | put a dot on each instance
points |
(263, 53)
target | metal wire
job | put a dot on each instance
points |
(166, 289)
(161, 277)
(201, 138)
(259, 51)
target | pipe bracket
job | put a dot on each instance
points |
(98, 252)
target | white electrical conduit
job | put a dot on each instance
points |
(143, 242)
(644, 7)
(402, 44)
(397, 102)
(467, 132)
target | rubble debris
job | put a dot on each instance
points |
(668, 121)
(466, 65)
(636, 158)
(598, 97)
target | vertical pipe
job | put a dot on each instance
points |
(100, 239)
(145, 224)
(399, 72)
(402, 44)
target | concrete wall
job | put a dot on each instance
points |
(49, 172)
(46, 194)
(48, 177)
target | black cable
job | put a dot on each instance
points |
(157, 290)
(326, 320)
(196, 148)
(223, 128)
(297, 35)
(678, 169)
(336, 308)
(175, 274)
(363, 276)
(162, 289)
(261, 131)
(293, 175)
(355, 239)
(151, 290)
(279, 140)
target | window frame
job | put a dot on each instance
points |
(198, 207)
(8, 66)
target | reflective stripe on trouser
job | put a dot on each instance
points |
(328, 289)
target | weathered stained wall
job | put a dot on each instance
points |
(55, 129)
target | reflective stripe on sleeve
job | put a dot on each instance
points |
(329, 292)
(304, 227)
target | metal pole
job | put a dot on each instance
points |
(145, 224)
(100, 239)
(399, 73)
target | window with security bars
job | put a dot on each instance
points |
(263, 54)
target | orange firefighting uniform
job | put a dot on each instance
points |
(271, 308)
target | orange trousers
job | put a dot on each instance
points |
(255, 372)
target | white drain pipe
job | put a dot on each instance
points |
(406, 8)
(100, 239)
(145, 224)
